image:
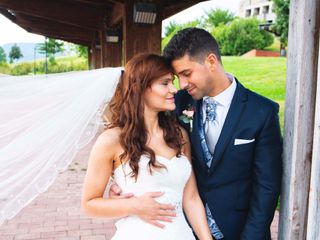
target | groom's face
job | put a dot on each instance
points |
(194, 76)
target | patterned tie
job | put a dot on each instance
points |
(211, 127)
(211, 108)
(210, 115)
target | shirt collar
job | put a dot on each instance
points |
(224, 98)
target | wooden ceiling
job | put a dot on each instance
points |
(77, 21)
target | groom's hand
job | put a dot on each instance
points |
(115, 192)
(151, 211)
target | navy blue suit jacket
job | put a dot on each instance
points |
(242, 185)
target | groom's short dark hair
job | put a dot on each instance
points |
(195, 42)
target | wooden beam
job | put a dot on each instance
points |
(313, 230)
(299, 117)
(82, 15)
(174, 7)
(99, 3)
(116, 14)
(51, 35)
(117, 1)
(7, 14)
(59, 30)
(140, 37)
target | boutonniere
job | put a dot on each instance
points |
(187, 116)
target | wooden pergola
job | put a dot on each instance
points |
(92, 22)
(87, 22)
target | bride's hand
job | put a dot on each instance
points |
(151, 211)
(115, 192)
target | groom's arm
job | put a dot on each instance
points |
(267, 174)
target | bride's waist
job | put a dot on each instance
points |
(169, 197)
(137, 223)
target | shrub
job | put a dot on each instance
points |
(22, 69)
(5, 68)
(241, 36)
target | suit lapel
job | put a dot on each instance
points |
(195, 138)
(234, 115)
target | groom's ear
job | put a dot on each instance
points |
(212, 61)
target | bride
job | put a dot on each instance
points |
(147, 154)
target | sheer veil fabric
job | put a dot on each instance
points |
(44, 121)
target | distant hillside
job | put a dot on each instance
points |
(28, 51)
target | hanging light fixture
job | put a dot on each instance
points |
(144, 13)
(112, 36)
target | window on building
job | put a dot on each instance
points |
(256, 11)
(265, 9)
(248, 12)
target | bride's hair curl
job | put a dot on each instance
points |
(126, 110)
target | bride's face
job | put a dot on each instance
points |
(160, 95)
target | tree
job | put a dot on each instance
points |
(82, 50)
(215, 17)
(178, 27)
(3, 56)
(15, 53)
(241, 36)
(51, 47)
(281, 25)
(169, 29)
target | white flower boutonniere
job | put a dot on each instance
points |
(187, 116)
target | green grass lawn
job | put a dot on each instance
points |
(62, 60)
(264, 75)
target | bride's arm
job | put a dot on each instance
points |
(99, 170)
(100, 167)
(192, 204)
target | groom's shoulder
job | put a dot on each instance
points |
(259, 100)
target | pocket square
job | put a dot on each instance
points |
(239, 141)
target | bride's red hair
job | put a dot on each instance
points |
(126, 110)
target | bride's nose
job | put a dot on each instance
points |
(172, 88)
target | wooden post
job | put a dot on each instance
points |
(93, 56)
(114, 54)
(299, 118)
(98, 62)
(90, 57)
(313, 229)
(103, 44)
(140, 37)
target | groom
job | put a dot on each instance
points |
(236, 139)
(236, 142)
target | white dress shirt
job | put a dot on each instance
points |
(223, 101)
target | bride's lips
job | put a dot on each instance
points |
(170, 98)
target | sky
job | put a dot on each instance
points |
(12, 33)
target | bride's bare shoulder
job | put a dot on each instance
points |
(109, 138)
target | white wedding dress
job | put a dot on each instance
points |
(171, 181)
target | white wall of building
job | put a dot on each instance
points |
(261, 9)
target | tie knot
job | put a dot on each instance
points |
(211, 107)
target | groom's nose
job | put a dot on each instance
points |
(183, 83)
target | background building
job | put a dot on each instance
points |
(261, 9)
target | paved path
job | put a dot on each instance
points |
(56, 214)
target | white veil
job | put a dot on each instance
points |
(44, 120)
